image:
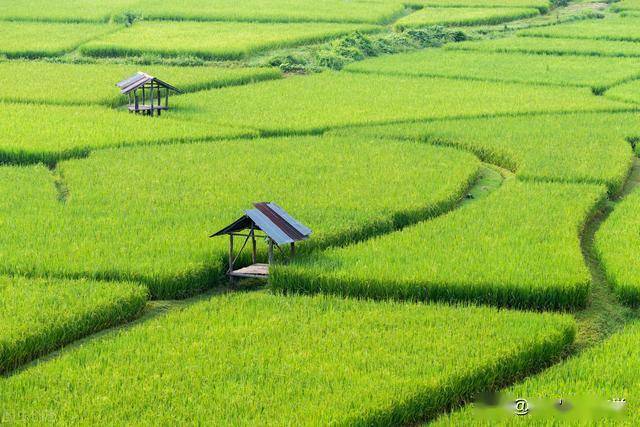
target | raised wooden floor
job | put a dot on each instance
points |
(258, 271)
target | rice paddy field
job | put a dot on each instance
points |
(450, 236)
(25, 39)
(462, 16)
(221, 40)
(39, 80)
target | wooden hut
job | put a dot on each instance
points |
(269, 221)
(146, 93)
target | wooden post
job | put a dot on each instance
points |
(151, 97)
(292, 251)
(253, 243)
(144, 98)
(166, 100)
(230, 253)
(135, 95)
(270, 251)
(159, 100)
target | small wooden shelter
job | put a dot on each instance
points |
(269, 221)
(146, 93)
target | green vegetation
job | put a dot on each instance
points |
(245, 358)
(94, 83)
(38, 316)
(144, 214)
(617, 245)
(64, 11)
(628, 92)
(623, 29)
(627, 5)
(587, 148)
(363, 11)
(222, 40)
(48, 133)
(517, 247)
(600, 373)
(319, 102)
(542, 5)
(552, 46)
(357, 46)
(464, 16)
(595, 72)
(33, 39)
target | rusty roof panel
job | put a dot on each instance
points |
(281, 227)
(302, 229)
(272, 230)
(140, 79)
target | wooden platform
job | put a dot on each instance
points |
(147, 108)
(257, 271)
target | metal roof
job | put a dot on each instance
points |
(140, 79)
(281, 227)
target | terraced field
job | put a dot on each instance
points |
(468, 168)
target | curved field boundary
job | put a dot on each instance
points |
(41, 315)
(241, 348)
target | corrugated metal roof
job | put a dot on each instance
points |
(140, 79)
(281, 227)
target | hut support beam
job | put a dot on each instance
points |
(231, 260)
(270, 252)
(253, 244)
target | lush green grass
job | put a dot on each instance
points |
(594, 72)
(465, 16)
(221, 40)
(48, 133)
(247, 359)
(629, 92)
(596, 376)
(327, 100)
(38, 316)
(64, 10)
(40, 82)
(617, 245)
(551, 46)
(517, 247)
(542, 5)
(623, 29)
(588, 148)
(34, 39)
(379, 11)
(144, 214)
(624, 5)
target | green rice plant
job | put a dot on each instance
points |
(220, 40)
(328, 100)
(255, 358)
(145, 214)
(616, 29)
(542, 5)
(275, 10)
(465, 16)
(588, 384)
(627, 5)
(628, 92)
(64, 10)
(517, 247)
(34, 39)
(587, 148)
(595, 72)
(617, 244)
(551, 46)
(49, 133)
(38, 316)
(95, 83)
